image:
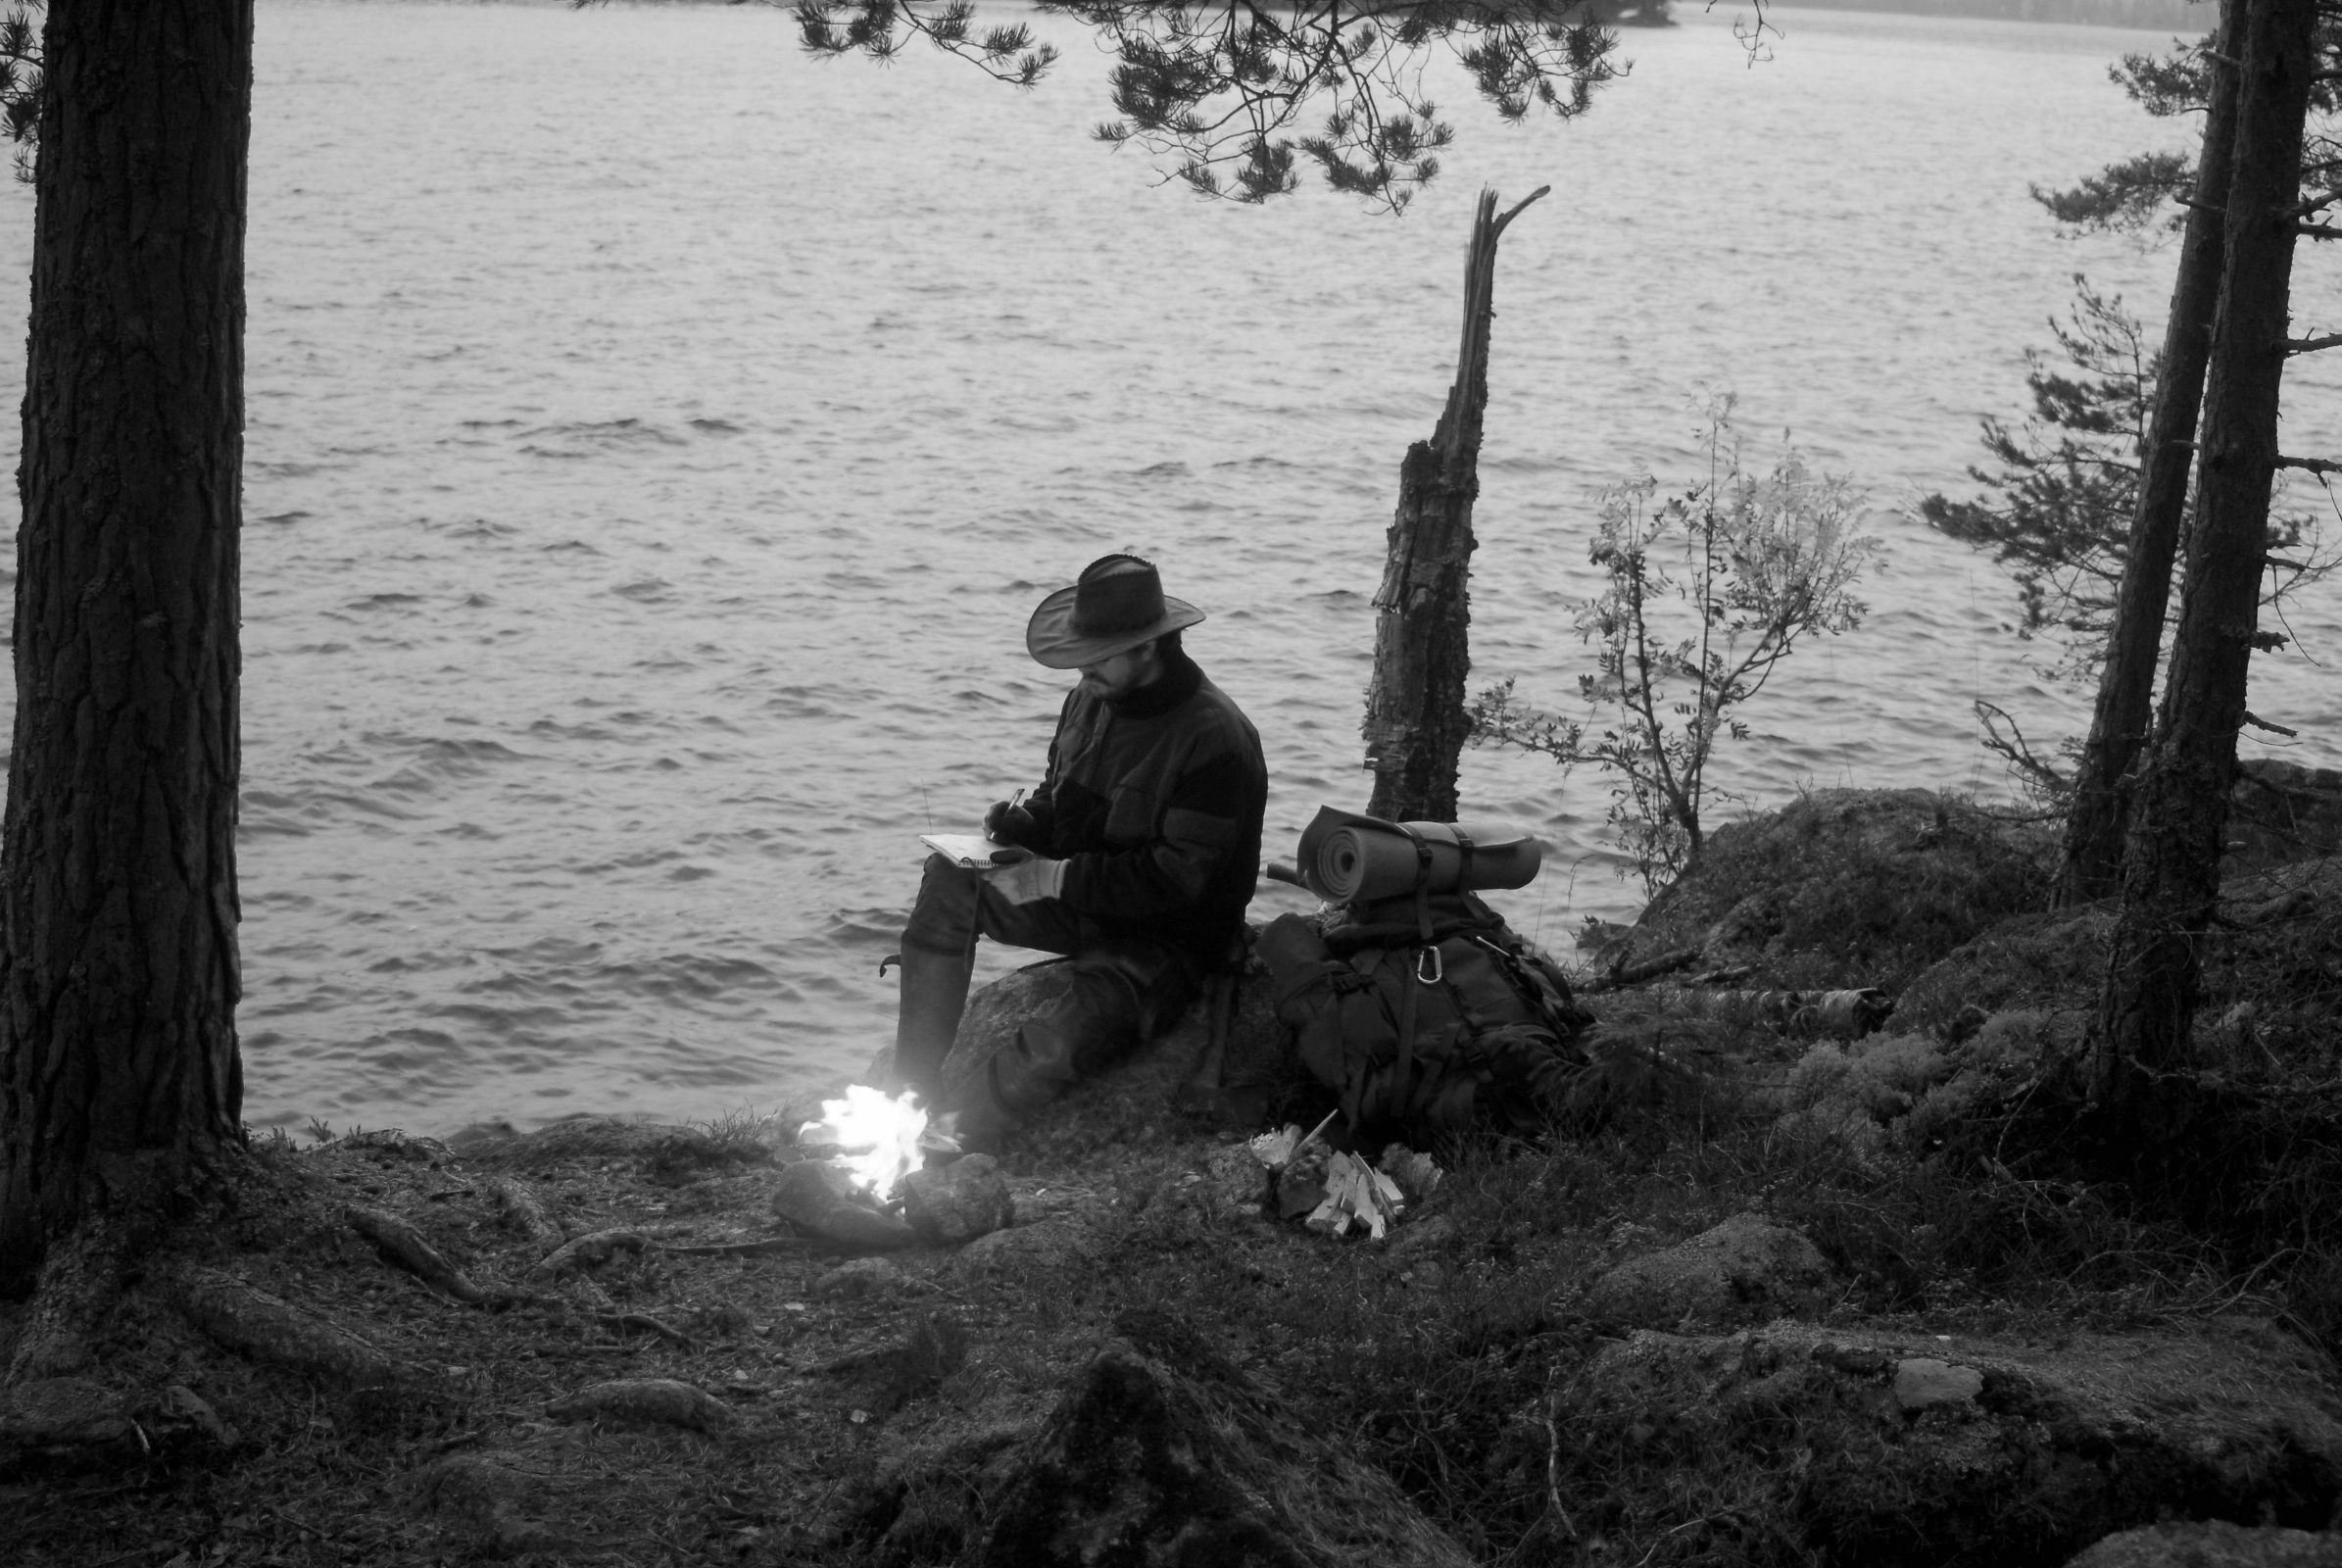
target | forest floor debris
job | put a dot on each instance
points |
(298, 1378)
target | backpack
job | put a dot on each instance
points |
(1424, 1013)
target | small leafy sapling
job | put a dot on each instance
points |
(1704, 593)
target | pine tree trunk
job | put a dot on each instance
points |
(119, 1073)
(2119, 725)
(1416, 722)
(2170, 865)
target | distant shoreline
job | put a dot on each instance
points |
(2181, 15)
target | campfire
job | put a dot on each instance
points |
(877, 1139)
(866, 1182)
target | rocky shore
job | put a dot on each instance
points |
(1785, 1286)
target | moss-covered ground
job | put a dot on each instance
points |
(1945, 1167)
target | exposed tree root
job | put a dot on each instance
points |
(267, 1328)
(488, 1500)
(662, 1401)
(80, 1279)
(80, 1423)
(768, 1247)
(402, 1243)
(648, 1325)
(587, 1252)
(525, 1211)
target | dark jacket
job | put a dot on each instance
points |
(1155, 802)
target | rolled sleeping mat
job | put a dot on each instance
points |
(1351, 859)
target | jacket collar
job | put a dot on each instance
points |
(1182, 680)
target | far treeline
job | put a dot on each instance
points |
(2183, 15)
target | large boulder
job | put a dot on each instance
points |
(1746, 1270)
(1921, 1449)
(1165, 1452)
(1844, 888)
(1177, 1075)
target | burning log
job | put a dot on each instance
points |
(866, 1144)
(876, 1138)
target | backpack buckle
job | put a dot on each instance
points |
(1427, 958)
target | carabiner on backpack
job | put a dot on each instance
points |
(1429, 957)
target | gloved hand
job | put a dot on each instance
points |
(1010, 824)
(1022, 877)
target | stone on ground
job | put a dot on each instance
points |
(1746, 1270)
(820, 1197)
(954, 1205)
(1147, 1091)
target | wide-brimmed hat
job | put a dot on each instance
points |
(1116, 604)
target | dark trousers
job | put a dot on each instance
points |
(1123, 991)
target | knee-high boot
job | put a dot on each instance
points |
(934, 993)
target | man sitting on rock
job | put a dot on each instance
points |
(1134, 857)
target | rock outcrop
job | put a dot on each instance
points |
(2214, 1544)
(1921, 1449)
(1843, 888)
(1744, 1271)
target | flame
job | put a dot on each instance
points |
(876, 1136)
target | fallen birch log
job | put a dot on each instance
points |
(1635, 974)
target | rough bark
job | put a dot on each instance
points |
(1416, 722)
(117, 905)
(2170, 863)
(2119, 721)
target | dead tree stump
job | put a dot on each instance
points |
(1416, 722)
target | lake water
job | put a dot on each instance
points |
(657, 440)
